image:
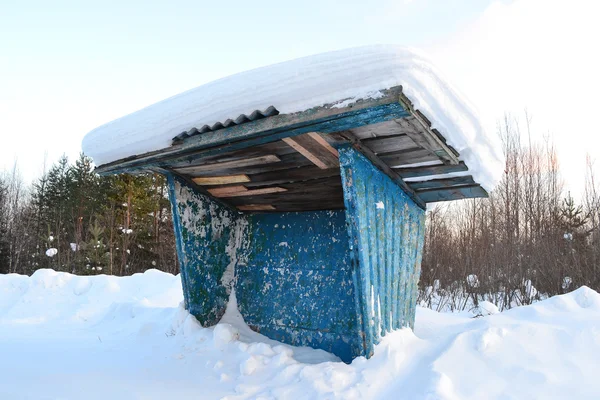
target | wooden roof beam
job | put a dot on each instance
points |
(428, 170)
(316, 149)
(442, 183)
(239, 191)
(427, 138)
(244, 162)
(221, 180)
(452, 193)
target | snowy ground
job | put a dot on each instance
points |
(69, 337)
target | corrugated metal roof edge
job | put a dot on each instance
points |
(241, 119)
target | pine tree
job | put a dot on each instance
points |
(572, 219)
(114, 224)
(87, 196)
(95, 250)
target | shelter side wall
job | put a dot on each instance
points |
(296, 285)
(386, 230)
(210, 241)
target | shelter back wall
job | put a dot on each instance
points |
(297, 285)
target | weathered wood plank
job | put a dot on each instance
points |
(426, 137)
(222, 191)
(389, 144)
(221, 180)
(313, 150)
(302, 204)
(321, 140)
(454, 193)
(288, 161)
(442, 183)
(381, 129)
(427, 141)
(317, 190)
(247, 192)
(410, 156)
(245, 162)
(170, 174)
(302, 201)
(256, 207)
(278, 148)
(428, 170)
(299, 174)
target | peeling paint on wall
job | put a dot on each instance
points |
(297, 285)
(386, 230)
(237, 249)
(211, 240)
(335, 280)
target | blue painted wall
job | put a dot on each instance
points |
(293, 277)
(335, 280)
(386, 229)
(211, 240)
(297, 284)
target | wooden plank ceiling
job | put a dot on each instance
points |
(301, 173)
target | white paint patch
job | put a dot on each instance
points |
(220, 218)
(185, 196)
(238, 240)
(380, 205)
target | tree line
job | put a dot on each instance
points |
(71, 219)
(530, 239)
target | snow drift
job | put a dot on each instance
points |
(340, 76)
(66, 336)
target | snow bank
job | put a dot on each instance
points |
(346, 75)
(124, 338)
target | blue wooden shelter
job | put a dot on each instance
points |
(310, 217)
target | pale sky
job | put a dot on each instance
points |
(68, 67)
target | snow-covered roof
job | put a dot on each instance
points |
(337, 77)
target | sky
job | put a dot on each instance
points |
(67, 67)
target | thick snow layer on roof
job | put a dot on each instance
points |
(301, 84)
